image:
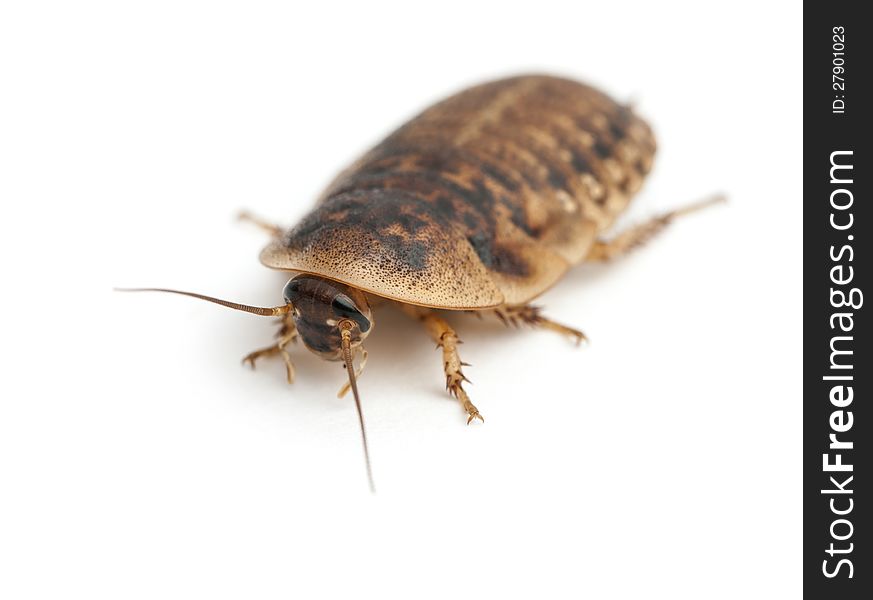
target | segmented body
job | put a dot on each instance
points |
(484, 199)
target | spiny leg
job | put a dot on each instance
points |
(528, 314)
(271, 228)
(287, 333)
(446, 338)
(625, 241)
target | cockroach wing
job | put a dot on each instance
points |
(485, 198)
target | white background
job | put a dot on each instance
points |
(139, 459)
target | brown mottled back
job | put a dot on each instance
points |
(484, 199)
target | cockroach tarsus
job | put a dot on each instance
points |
(480, 203)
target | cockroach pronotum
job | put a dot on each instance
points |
(480, 203)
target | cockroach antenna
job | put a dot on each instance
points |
(273, 311)
(346, 327)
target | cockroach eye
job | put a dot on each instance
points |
(344, 308)
(291, 289)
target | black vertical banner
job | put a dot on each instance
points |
(837, 368)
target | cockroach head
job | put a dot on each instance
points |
(320, 306)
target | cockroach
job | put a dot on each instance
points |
(480, 203)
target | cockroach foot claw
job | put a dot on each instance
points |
(458, 392)
(252, 357)
(579, 337)
(473, 413)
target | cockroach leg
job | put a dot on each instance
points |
(271, 228)
(287, 333)
(636, 236)
(527, 314)
(446, 338)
